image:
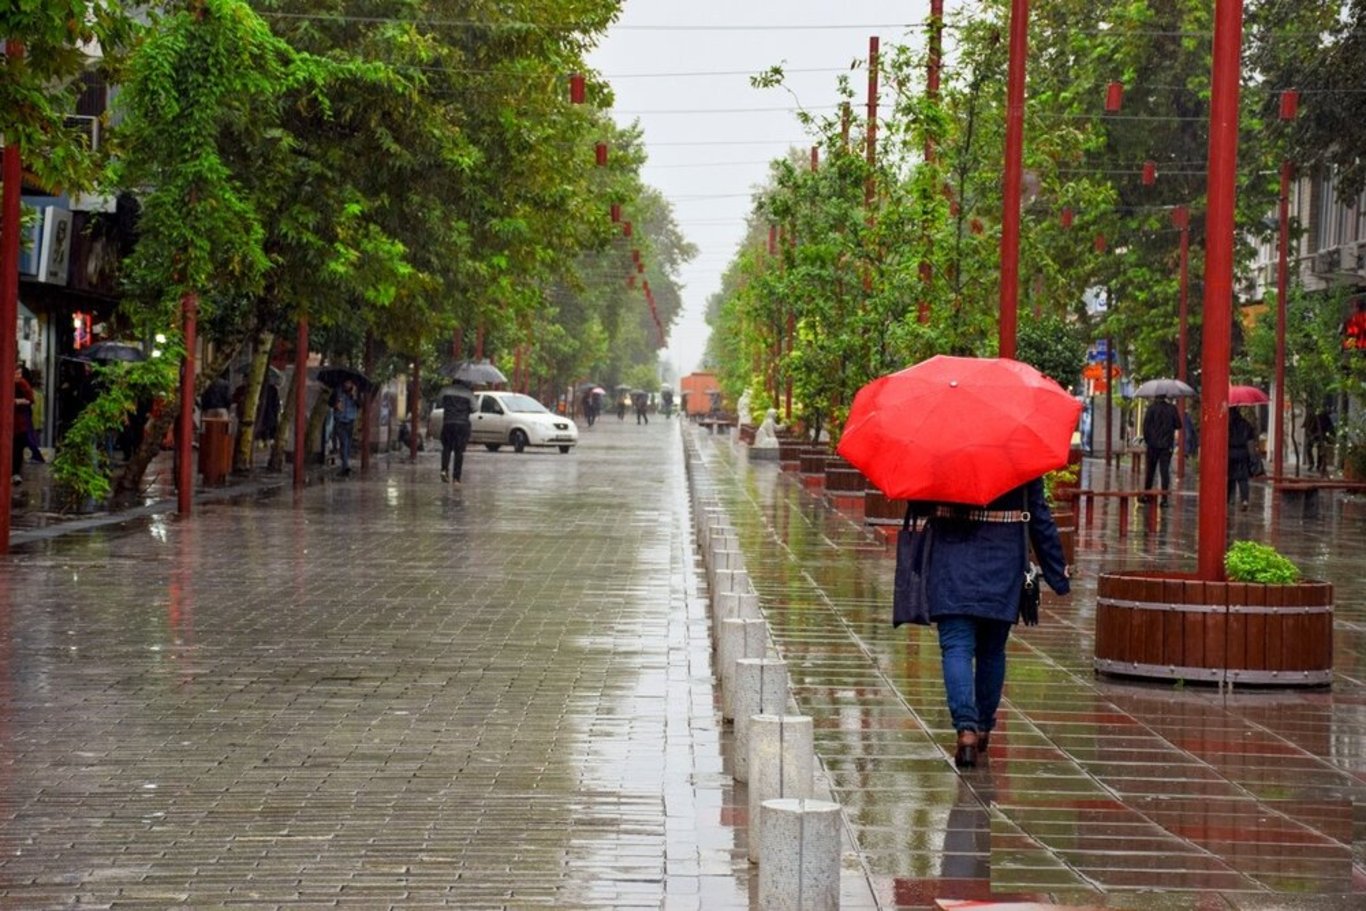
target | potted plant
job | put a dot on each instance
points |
(1263, 624)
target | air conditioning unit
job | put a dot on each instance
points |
(86, 127)
(1328, 261)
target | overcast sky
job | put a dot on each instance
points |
(683, 69)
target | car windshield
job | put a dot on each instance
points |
(522, 404)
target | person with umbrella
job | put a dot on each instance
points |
(641, 400)
(457, 404)
(1241, 434)
(967, 441)
(345, 407)
(1160, 424)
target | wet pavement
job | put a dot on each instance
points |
(386, 692)
(1097, 792)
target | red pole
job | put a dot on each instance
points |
(457, 343)
(1010, 215)
(300, 400)
(1289, 106)
(479, 344)
(13, 174)
(870, 187)
(189, 311)
(414, 403)
(368, 400)
(1218, 303)
(1181, 216)
(815, 159)
(932, 95)
(1282, 289)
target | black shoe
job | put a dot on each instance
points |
(983, 741)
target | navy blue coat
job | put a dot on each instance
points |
(976, 567)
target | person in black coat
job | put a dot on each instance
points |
(457, 404)
(1160, 424)
(1240, 436)
(976, 569)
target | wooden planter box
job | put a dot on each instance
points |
(811, 465)
(879, 509)
(789, 452)
(1174, 627)
(746, 433)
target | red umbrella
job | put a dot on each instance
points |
(1246, 395)
(959, 430)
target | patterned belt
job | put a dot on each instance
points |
(963, 514)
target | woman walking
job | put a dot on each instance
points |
(976, 571)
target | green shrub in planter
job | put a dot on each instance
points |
(1248, 561)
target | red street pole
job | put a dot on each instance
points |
(189, 311)
(413, 407)
(368, 399)
(1218, 304)
(300, 400)
(932, 95)
(1282, 289)
(870, 187)
(13, 174)
(1290, 100)
(1014, 165)
(1181, 216)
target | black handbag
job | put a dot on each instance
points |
(910, 598)
(1030, 587)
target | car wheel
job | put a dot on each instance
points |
(493, 447)
(565, 450)
(518, 440)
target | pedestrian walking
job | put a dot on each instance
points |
(666, 402)
(23, 422)
(621, 408)
(977, 566)
(31, 438)
(1241, 435)
(345, 407)
(268, 412)
(1318, 436)
(590, 411)
(1160, 424)
(457, 404)
(642, 404)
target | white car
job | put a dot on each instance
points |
(512, 419)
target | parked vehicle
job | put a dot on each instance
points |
(513, 419)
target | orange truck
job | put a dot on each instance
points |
(696, 389)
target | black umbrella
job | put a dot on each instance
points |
(107, 352)
(336, 374)
(475, 373)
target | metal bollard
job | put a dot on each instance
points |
(799, 856)
(782, 763)
(760, 689)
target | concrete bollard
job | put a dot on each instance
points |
(799, 856)
(725, 606)
(749, 604)
(720, 559)
(782, 763)
(740, 638)
(760, 689)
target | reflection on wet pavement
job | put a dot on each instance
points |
(1097, 791)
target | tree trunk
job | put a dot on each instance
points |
(276, 462)
(129, 481)
(256, 375)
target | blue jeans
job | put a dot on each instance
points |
(342, 431)
(974, 658)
